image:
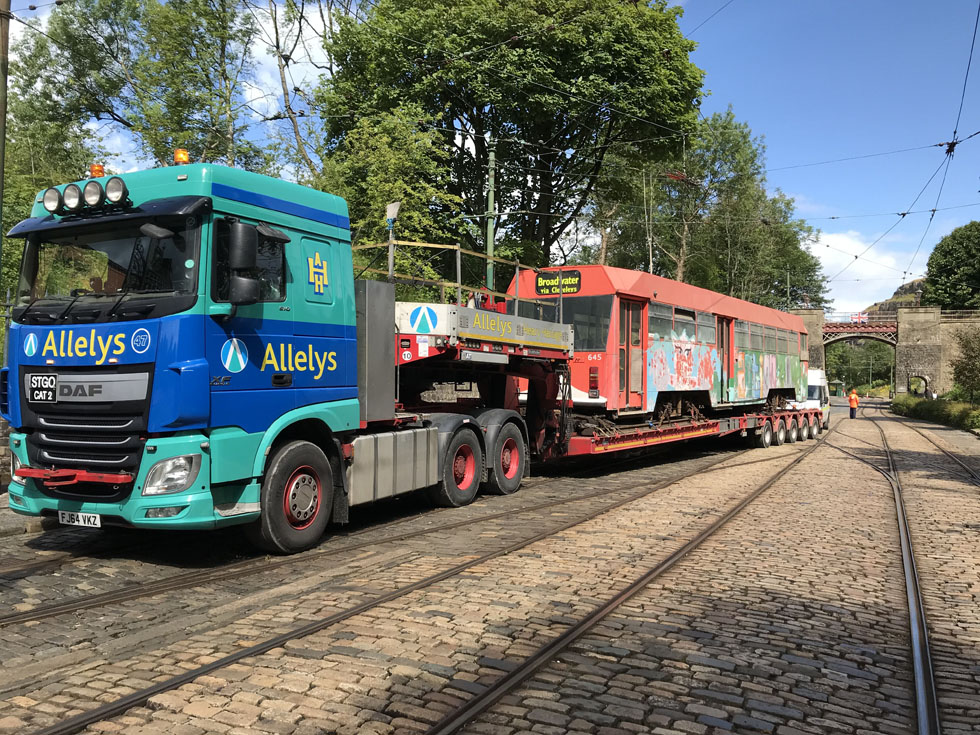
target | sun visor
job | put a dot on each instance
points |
(183, 206)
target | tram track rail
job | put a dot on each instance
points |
(247, 567)
(926, 698)
(23, 569)
(78, 722)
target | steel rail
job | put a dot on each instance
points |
(78, 722)
(926, 700)
(20, 570)
(248, 567)
(507, 683)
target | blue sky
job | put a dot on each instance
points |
(832, 79)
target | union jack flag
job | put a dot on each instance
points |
(859, 318)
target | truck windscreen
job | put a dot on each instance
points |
(121, 271)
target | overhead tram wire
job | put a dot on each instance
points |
(951, 148)
(703, 22)
(901, 217)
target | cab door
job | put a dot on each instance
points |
(632, 348)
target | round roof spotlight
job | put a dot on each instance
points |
(52, 200)
(116, 191)
(72, 197)
(93, 193)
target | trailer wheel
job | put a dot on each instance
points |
(780, 433)
(815, 429)
(506, 462)
(763, 439)
(793, 433)
(296, 499)
(461, 471)
(804, 428)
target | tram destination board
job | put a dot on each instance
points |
(547, 284)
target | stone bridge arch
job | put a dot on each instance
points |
(924, 338)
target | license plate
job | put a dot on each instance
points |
(89, 520)
(42, 388)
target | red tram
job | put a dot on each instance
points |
(649, 345)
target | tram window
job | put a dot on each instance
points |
(804, 347)
(783, 342)
(741, 335)
(684, 324)
(589, 315)
(661, 321)
(756, 337)
(706, 328)
(771, 339)
(636, 318)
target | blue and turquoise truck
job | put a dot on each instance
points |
(189, 349)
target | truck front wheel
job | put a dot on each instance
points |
(462, 470)
(297, 497)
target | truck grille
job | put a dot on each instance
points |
(108, 443)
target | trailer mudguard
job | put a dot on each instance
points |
(491, 420)
(448, 424)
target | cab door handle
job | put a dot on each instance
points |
(282, 380)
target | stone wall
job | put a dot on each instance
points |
(919, 352)
(813, 320)
(4, 453)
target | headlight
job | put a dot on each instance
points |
(115, 190)
(52, 200)
(173, 475)
(93, 193)
(72, 197)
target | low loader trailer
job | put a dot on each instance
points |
(189, 349)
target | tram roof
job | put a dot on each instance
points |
(597, 280)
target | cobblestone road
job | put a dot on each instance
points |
(790, 620)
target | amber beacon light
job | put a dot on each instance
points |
(96, 171)
(181, 156)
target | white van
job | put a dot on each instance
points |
(817, 394)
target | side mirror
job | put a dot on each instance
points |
(243, 246)
(242, 290)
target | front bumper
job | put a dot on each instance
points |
(198, 507)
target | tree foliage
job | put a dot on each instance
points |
(966, 365)
(854, 361)
(173, 74)
(953, 274)
(704, 216)
(552, 85)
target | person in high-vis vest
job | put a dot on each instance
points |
(852, 401)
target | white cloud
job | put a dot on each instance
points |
(872, 277)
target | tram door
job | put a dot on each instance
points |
(632, 363)
(724, 357)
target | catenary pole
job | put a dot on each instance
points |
(491, 166)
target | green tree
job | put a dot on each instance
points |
(388, 159)
(854, 361)
(953, 274)
(172, 73)
(44, 147)
(704, 216)
(966, 365)
(553, 85)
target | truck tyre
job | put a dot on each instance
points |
(764, 438)
(815, 429)
(462, 470)
(780, 434)
(804, 428)
(793, 432)
(297, 497)
(506, 462)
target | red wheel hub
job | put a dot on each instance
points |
(464, 467)
(302, 498)
(510, 458)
